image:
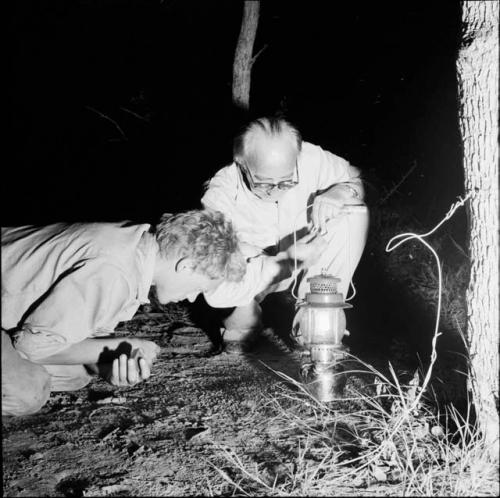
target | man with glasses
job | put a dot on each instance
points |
(278, 190)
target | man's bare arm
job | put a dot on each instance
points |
(92, 351)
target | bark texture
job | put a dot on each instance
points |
(242, 66)
(477, 67)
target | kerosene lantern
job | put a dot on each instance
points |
(321, 328)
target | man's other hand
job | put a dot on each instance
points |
(326, 207)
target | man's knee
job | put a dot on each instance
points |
(349, 230)
(25, 385)
(243, 325)
(244, 317)
(26, 391)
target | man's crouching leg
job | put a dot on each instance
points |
(242, 327)
(26, 386)
(346, 238)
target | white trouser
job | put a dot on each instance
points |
(346, 239)
(26, 386)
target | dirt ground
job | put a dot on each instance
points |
(165, 436)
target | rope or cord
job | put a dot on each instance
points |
(408, 236)
(295, 250)
(404, 237)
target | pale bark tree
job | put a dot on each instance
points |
(477, 67)
(243, 60)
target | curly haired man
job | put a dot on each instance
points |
(65, 287)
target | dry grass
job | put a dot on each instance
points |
(383, 439)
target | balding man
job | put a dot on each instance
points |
(278, 186)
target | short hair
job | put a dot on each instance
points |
(207, 238)
(270, 126)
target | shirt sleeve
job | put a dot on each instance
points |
(328, 168)
(82, 301)
(228, 294)
(219, 192)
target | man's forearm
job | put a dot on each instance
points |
(262, 271)
(88, 351)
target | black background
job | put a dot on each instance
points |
(372, 82)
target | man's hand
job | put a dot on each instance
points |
(127, 371)
(130, 370)
(326, 207)
(335, 202)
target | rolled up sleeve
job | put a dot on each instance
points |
(81, 302)
(331, 169)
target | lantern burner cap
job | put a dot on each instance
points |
(324, 291)
(323, 283)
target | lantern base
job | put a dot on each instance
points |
(324, 381)
(322, 372)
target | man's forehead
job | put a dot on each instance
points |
(274, 145)
(273, 178)
(273, 156)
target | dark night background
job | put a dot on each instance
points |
(372, 82)
(122, 109)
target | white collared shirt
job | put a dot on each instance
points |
(67, 282)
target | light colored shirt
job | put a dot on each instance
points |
(63, 283)
(268, 226)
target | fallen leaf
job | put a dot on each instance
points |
(396, 475)
(358, 482)
(379, 474)
(437, 431)
(112, 400)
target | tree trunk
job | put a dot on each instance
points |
(477, 67)
(242, 66)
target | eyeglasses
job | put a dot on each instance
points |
(265, 187)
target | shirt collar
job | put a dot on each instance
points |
(146, 256)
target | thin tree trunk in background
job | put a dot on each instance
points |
(242, 66)
(477, 67)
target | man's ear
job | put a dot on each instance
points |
(183, 264)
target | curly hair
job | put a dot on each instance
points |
(207, 238)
